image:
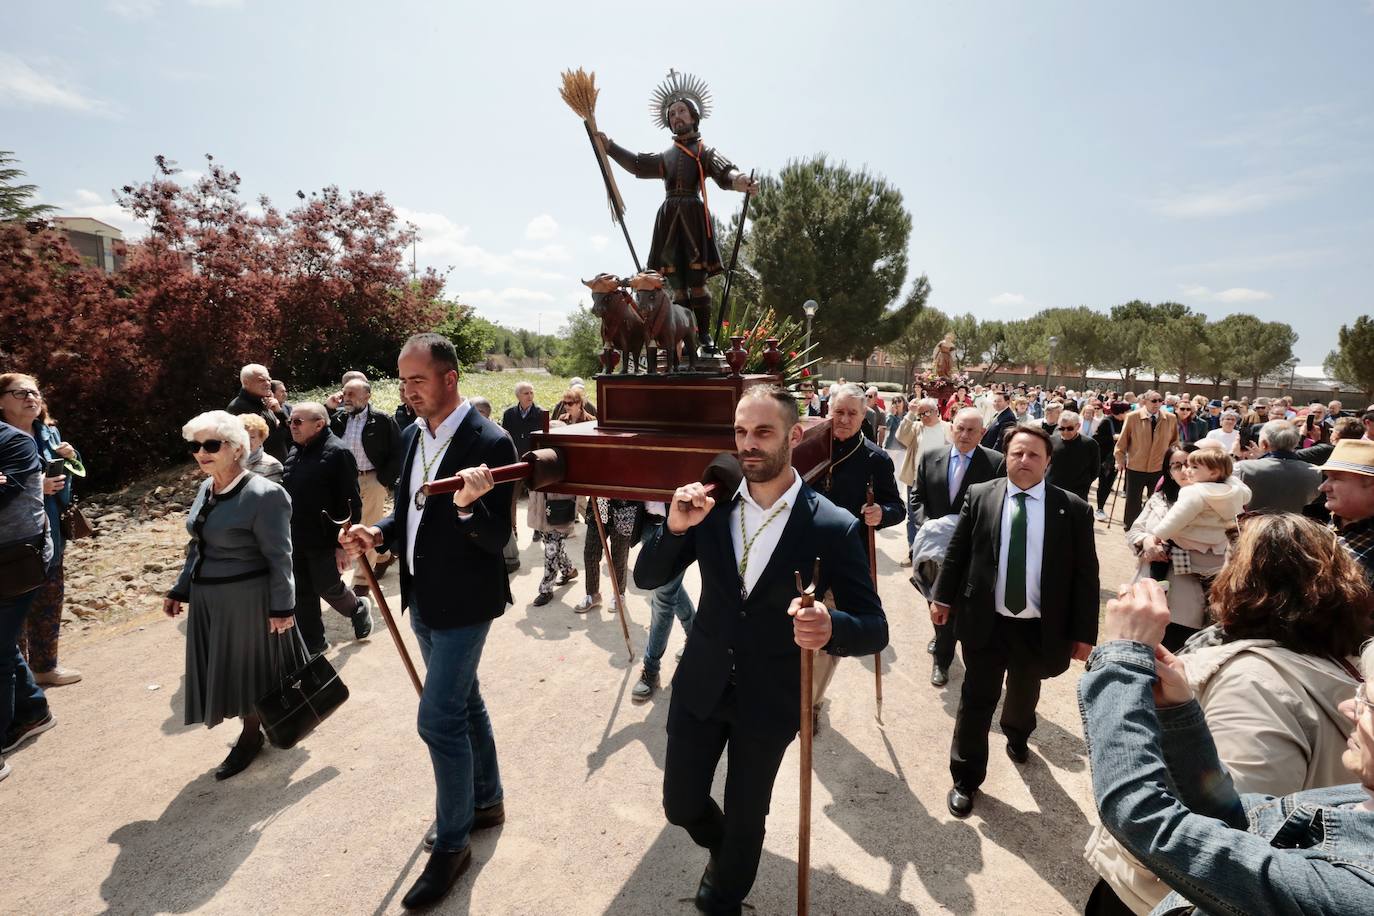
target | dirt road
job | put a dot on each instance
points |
(116, 810)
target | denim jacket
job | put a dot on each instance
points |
(1312, 852)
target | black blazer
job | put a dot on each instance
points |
(849, 481)
(1068, 573)
(320, 476)
(381, 442)
(753, 637)
(992, 437)
(931, 492)
(460, 578)
(520, 428)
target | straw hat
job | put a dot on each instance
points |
(1353, 455)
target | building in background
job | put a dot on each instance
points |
(99, 244)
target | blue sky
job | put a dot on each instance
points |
(1051, 153)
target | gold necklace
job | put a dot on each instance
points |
(426, 464)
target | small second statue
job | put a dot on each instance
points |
(684, 248)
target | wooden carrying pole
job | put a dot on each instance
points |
(808, 658)
(615, 580)
(870, 533)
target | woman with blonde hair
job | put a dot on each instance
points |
(259, 462)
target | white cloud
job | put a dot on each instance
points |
(1245, 196)
(133, 9)
(1008, 299)
(21, 86)
(218, 4)
(1232, 295)
(541, 227)
(543, 253)
(84, 196)
(599, 242)
(88, 203)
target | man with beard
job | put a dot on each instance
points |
(684, 247)
(739, 680)
(855, 463)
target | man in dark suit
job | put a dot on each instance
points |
(1020, 580)
(1076, 460)
(738, 683)
(1003, 419)
(454, 582)
(375, 441)
(523, 419)
(255, 396)
(942, 480)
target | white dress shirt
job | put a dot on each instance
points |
(1035, 549)
(353, 438)
(765, 541)
(417, 476)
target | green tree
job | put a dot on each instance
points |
(581, 345)
(839, 236)
(1123, 345)
(1257, 347)
(1352, 362)
(472, 335)
(1150, 314)
(1215, 365)
(16, 200)
(917, 342)
(1179, 346)
(1080, 339)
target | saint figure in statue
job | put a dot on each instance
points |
(942, 360)
(684, 247)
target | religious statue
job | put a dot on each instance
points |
(683, 249)
(942, 360)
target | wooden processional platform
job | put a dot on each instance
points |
(655, 433)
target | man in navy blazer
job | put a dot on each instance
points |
(1020, 579)
(1003, 419)
(739, 679)
(454, 581)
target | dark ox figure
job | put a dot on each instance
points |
(622, 328)
(669, 325)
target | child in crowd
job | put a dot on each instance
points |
(1203, 521)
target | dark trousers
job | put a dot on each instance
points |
(1106, 479)
(317, 576)
(1139, 486)
(1013, 652)
(734, 836)
(591, 553)
(944, 632)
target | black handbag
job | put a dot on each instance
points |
(560, 511)
(21, 570)
(308, 693)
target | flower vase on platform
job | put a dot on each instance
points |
(772, 356)
(736, 356)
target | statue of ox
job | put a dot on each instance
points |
(622, 328)
(669, 325)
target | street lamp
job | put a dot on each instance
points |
(809, 307)
(1054, 342)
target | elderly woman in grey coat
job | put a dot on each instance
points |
(237, 580)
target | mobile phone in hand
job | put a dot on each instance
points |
(56, 468)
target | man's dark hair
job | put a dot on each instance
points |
(440, 349)
(779, 396)
(1167, 485)
(1014, 431)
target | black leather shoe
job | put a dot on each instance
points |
(1019, 753)
(707, 900)
(239, 758)
(441, 872)
(930, 647)
(483, 819)
(960, 802)
(542, 599)
(939, 677)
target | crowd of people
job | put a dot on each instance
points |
(1241, 630)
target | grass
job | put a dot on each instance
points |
(497, 387)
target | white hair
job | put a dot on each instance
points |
(1280, 435)
(523, 386)
(251, 370)
(1072, 417)
(222, 425)
(930, 404)
(969, 412)
(849, 390)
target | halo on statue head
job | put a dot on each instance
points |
(679, 87)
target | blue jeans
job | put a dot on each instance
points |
(453, 722)
(21, 699)
(665, 602)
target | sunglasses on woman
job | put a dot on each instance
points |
(211, 446)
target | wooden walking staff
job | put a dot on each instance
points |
(808, 658)
(376, 587)
(870, 532)
(1116, 491)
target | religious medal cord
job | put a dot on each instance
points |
(426, 464)
(747, 541)
(830, 471)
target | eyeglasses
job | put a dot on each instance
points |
(1185, 410)
(1156, 400)
(1177, 465)
(210, 445)
(570, 403)
(1361, 701)
(301, 421)
(23, 394)
(1067, 429)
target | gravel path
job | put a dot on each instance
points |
(116, 810)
